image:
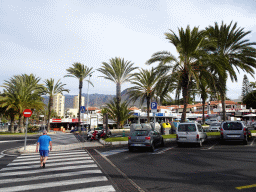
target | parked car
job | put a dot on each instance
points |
(191, 132)
(234, 131)
(215, 127)
(254, 125)
(126, 126)
(210, 121)
(142, 136)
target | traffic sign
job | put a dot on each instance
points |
(154, 107)
(82, 109)
(27, 113)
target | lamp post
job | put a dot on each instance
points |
(88, 102)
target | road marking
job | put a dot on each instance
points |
(52, 154)
(54, 184)
(49, 160)
(47, 170)
(246, 186)
(50, 157)
(107, 188)
(48, 165)
(33, 178)
(209, 148)
(252, 142)
(14, 141)
(163, 151)
(113, 152)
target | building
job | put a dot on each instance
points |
(58, 104)
(76, 102)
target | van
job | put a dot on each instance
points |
(233, 131)
(190, 132)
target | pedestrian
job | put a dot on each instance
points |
(44, 142)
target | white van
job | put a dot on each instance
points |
(190, 132)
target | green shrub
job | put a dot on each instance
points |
(32, 128)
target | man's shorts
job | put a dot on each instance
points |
(44, 153)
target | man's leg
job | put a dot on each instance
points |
(46, 153)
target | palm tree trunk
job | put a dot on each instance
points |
(118, 99)
(49, 112)
(148, 104)
(80, 95)
(223, 107)
(21, 123)
(12, 122)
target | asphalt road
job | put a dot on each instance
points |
(10, 142)
(214, 167)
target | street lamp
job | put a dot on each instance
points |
(88, 101)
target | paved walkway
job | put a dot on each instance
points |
(62, 141)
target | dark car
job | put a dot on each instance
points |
(144, 137)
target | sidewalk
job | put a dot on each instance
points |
(61, 142)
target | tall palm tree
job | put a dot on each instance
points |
(190, 45)
(146, 86)
(232, 51)
(114, 111)
(119, 71)
(53, 89)
(79, 71)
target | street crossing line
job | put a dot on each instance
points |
(50, 157)
(49, 160)
(52, 154)
(54, 184)
(14, 180)
(107, 188)
(113, 152)
(47, 170)
(48, 165)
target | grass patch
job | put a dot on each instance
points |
(169, 136)
(113, 139)
(253, 131)
(7, 133)
(213, 133)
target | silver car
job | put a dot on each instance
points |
(191, 132)
(233, 131)
(215, 127)
(143, 136)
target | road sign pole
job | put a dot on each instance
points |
(26, 135)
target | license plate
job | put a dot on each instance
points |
(183, 138)
(233, 135)
(138, 145)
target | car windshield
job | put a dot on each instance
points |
(140, 133)
(187, 128)
(232, 126)
(215, 124)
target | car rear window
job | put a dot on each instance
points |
(232, 126)
(215, 124)
(140, 133)
(187, 128)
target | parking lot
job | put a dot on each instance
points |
(213, 167)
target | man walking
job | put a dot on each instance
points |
(44, 142)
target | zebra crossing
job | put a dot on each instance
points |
(72, 170)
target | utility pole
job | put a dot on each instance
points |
(88, 103)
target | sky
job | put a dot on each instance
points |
(45, 37)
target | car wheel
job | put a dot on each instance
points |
(200, 144)
(152, 149)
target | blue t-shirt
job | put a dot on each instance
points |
(44, 142)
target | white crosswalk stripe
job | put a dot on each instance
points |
(71, 170)
(113, 152)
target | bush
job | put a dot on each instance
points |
(32, 128)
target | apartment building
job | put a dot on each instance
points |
(76, 102)
(58, 104)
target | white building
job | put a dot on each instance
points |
(59, 104)
(76, 102)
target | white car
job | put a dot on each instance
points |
(210, 121)
(215, 127)
(126, 126)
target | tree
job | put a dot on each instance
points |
(190, 45)
(117, 71)
(245, 87)
(250, 100)
(79, 71)
(114, 111)
(146, 85)
(231, 51)
(52, 89)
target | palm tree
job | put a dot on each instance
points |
(146, 85)
(79, 71)
(190, 44)
(53, 89)
(232, 51)
(114, 111)
(118, 71)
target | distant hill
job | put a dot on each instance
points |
(95, 100)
